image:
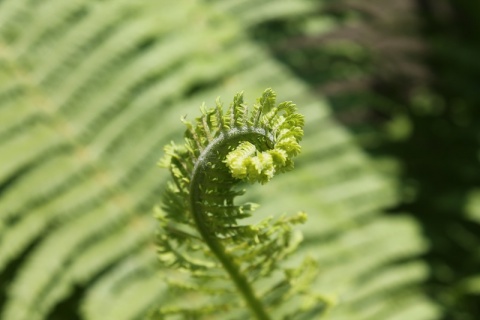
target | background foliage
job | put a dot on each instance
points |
(91, 90)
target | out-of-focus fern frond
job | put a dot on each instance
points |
(90, 91)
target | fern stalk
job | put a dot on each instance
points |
(244, 287)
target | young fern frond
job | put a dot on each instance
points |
(200, 231)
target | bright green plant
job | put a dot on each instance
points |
(201, 233)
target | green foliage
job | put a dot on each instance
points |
(199, 218)
(90, 92)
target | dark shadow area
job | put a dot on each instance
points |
(69, 307)
(11, 270)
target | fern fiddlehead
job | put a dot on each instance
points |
(199, 217)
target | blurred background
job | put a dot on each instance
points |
(91, 90)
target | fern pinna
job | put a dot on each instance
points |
(201, 238)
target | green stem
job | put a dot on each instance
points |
(208, 235)
(238, 278)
